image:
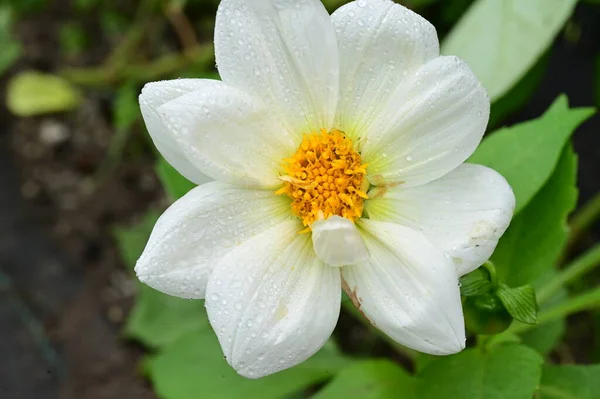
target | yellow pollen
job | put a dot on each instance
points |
(325, 177)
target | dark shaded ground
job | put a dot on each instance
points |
(63, 290)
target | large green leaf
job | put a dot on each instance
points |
(158, 319)
(506, 372)
(194, 367)
(570, 382)
(370, 379)
(502, 39)
(534, 240)
(527, 154)
(172, 181)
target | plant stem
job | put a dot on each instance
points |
(581, 222)
(586, 217)
(580, 266)
(588, 300)
(489, 266)
(354, 312)
(145, 72)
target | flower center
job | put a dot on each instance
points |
(325, 177)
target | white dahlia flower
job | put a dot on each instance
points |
(336, 145)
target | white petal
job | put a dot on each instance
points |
(285, 52)
(200, 228)
(431, 126)
(153, 96)
(381, 45)
(408, 289)
(229, 135)
(272, 303)
(463, 213)
(337, 242)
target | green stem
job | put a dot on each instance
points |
(580, 266)
(489, 266)
(580, 223)
(586, 301)
(357, 314)
(588, 214)
(161, 67)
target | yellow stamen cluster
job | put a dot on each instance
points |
(325, 177)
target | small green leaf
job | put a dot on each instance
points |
(194, 367)
(370, 379)
(34, 93)
(536, 236)
(157, 319)
(172, 181)
(570, 382)
(520, 302)
(503, 372)
(504, 54)
(475, 283)
(527, 154)
(132, 240)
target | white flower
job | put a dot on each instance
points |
(351, 129)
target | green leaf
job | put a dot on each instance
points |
(370, 379)
(158, 319)
(570, 382)
(520, 302)
(492, 39)
(194, 367)
(475, 283)
(34, 93)
(132, 240)
(534, 240)
(174, 183)
(527, 154)
(518, 96)
(506, 372)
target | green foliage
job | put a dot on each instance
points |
(526, 154)
(504, 54)
(536, 236)
(132, 240)
(370, 379)
(157, 319)
(194, 367)
(519, 302)
(126, 110)
(475, 283)
(174, 184)
(506, 372)
(486, 314)
(73, 39)
(570, 382)
(34, 93)
(11, 48)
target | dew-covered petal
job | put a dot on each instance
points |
(337, 242)
(429, 128)
(382, 44)
(153, 96)
(463, 213)
(285, 52)
(272, 303)
(408, 289)
(228, 134)
(199, 229)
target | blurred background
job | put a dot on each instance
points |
(80, 182)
